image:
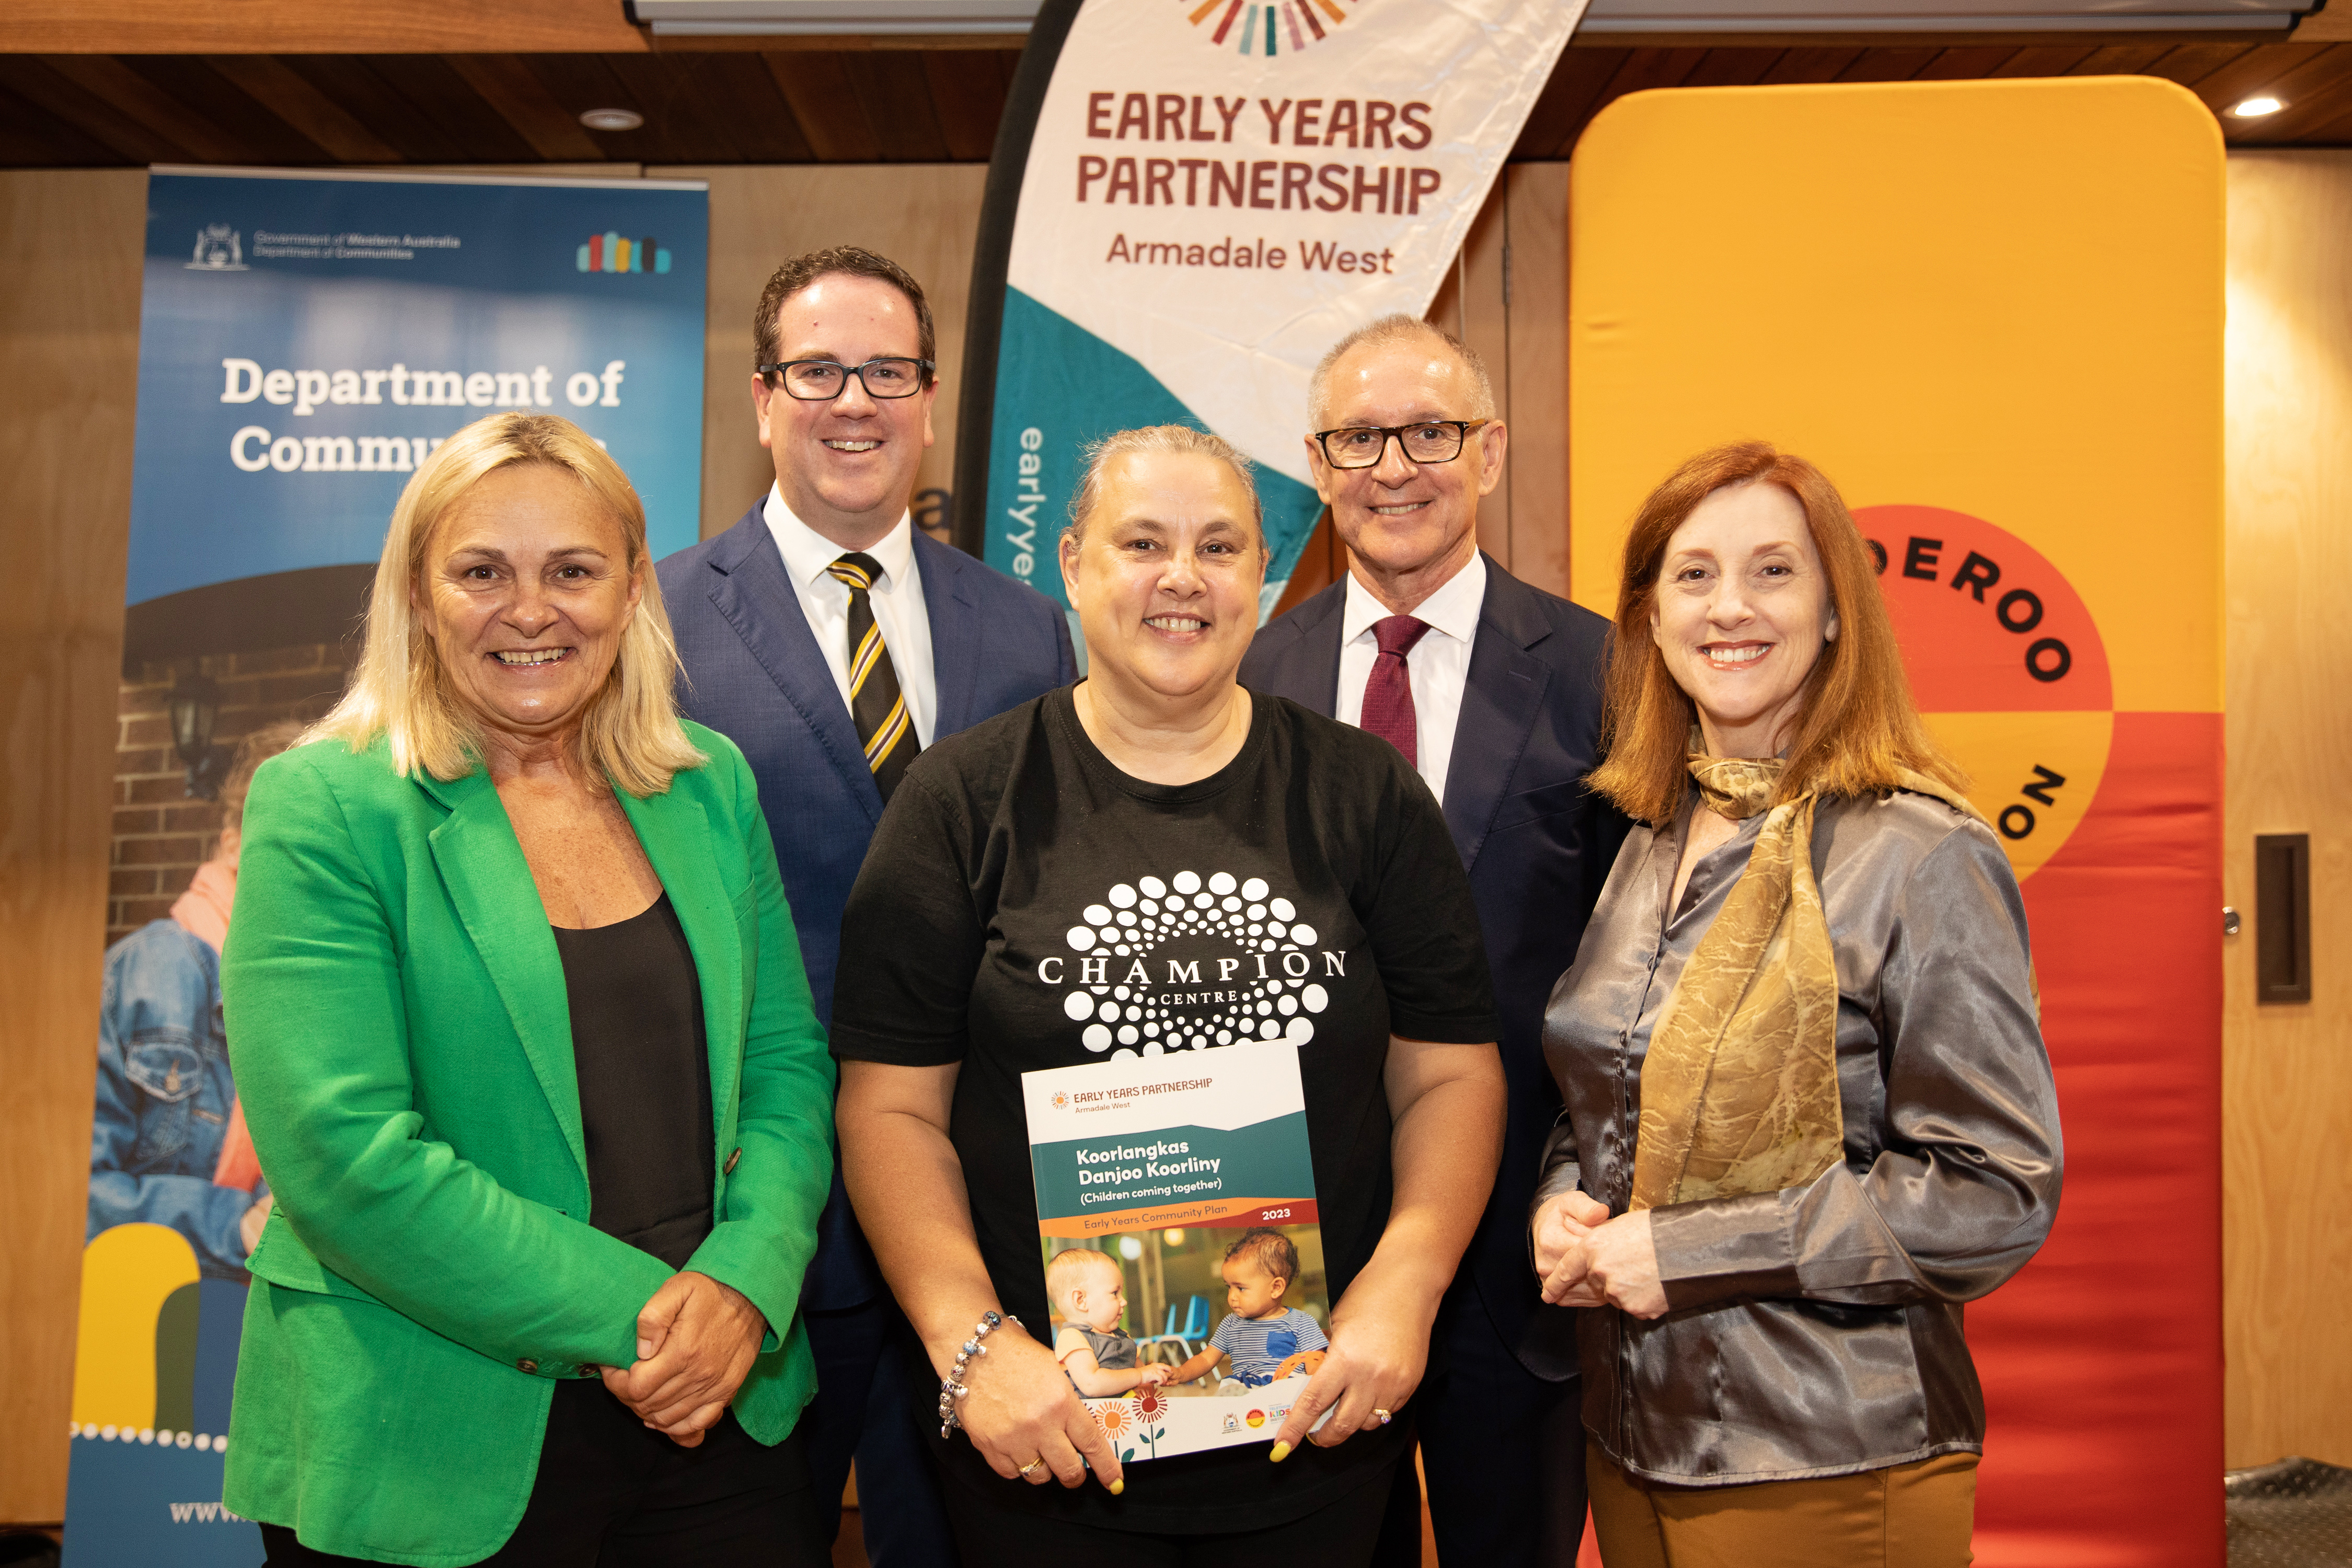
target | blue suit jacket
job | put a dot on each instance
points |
(1538, 845)
(755, 674)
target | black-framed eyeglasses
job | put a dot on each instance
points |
(822, 380)
(1429, 441)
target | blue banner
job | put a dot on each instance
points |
(304, 342)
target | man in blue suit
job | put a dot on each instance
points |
(833, 640)
(1492, 689)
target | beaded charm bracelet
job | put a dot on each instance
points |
(952, 1387)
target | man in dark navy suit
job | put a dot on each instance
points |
(1492, 689)
(833, 640)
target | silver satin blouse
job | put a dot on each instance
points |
(1816, 1332)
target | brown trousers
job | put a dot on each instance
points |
(1909, 1516)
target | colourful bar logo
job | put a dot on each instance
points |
(1264, 27)
(614, 252)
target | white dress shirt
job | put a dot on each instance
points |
(1438, 667)
(897, 597)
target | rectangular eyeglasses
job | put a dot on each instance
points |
(822, 380)
(1429, 441)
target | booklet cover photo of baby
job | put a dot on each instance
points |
(1177, 1227)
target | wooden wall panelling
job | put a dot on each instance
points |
(1507, 296)
(1482, 270)
(71, 245)
(1537, 214)
(1470, 305)
(2287, 1070)
(926, 218)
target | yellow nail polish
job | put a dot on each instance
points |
(1119, 1485)
(1281, 1452)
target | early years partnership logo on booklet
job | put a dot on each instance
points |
(1175, 1193)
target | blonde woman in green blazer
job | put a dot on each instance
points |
(519, 1020)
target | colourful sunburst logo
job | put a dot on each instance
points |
(1267, 28)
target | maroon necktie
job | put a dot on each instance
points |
(1388, 695)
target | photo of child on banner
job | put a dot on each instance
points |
(1164, 1185)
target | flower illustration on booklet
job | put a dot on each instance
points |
(1177, 1226)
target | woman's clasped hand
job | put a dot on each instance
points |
(1588, 1259)
(697, 1340)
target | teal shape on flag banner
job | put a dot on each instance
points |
(1058, 387)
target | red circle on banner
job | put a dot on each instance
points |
(2007, 665)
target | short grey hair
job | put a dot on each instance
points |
(1397, 328)
(1180, 440)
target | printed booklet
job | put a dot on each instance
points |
(1176, 1221)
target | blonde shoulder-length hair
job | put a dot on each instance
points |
(401, 691)
(1859, 730)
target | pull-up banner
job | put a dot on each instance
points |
(1992, 312)
(1190, 201)
(305, 343)
(306, 340)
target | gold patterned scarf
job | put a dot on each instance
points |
(1739, 1089)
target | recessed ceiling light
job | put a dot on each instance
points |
(2256, 108)
(620, 118)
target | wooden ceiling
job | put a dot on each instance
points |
(858, 101)
(2313, 80)
(831, 106)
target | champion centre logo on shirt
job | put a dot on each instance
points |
(1188, 962)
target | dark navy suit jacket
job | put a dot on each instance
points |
(1538, 845)
(755, 674)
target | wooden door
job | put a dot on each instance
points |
(2287, 1068)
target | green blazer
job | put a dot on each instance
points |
(402, 1042)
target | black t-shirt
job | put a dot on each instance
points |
(1027, 905)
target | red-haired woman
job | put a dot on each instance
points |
(1809, 1110)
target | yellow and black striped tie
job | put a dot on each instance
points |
(884, 726)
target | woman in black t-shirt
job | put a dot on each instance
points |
(1158, 784)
